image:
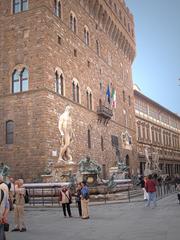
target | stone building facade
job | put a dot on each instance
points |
(59, 52)
(158, 130)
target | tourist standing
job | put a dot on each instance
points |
(78, 198)
(85, 201)
(4, 186)
(150, 187)
(142, 183)
(65, 199)
(178, 192)
(4, 208)
(19, 206)
(11, 187)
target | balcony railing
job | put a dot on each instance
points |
(104, 112)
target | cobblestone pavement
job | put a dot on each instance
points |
(125, 221)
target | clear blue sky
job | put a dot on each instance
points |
(156, 68)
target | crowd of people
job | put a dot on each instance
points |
(13, 198)
(149, 187)
(82, 200)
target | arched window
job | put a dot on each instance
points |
(20, 81)
(86, 35)
(56, 82)
(24, 80)
(9, 132)
(15, 82)
(89, 138)
(89, 98)
(124, 97)
(73, 22)
(57, 8)
(102, 143)
(20, 6)
(59, 83)
(16, 6)
(125, 118)
(97, 47)
(76, 91)
(62, 84)
(129, 100)
(125, 21)
(129, 27)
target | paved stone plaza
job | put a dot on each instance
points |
(125, 221)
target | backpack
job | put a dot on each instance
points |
(26, 196)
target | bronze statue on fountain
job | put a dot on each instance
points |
(89, 170)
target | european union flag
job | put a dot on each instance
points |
(108, 94)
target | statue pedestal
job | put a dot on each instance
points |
(61, 172)
(46, 178)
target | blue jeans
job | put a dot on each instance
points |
(2, 233)
(152, 198)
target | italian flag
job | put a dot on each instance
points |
(113, 98)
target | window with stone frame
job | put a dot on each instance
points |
(153, 134)
(89, 98)
(139, 135)
(97, 48)
(9, 132)
(59, 83)
(89, 138)
(20, 6)
(129, 29)
(20, 80)
(153, 112)
(120, 14)
(124, 21)
(143, 131)
(86, 35)
(124, 97)
(114, 141)
(160, 137)
(57, 8)
(73, 22)
(141, 106)
(129, 100)
(102, 143)
(148, 133)
(76, 91)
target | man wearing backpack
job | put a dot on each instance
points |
(4, 208)
(19, 207)
(85, 200)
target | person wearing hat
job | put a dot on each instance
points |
(85, 200)
(65, 199)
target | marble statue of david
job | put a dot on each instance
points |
(66, 134)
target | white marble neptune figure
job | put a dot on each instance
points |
(66, 135)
